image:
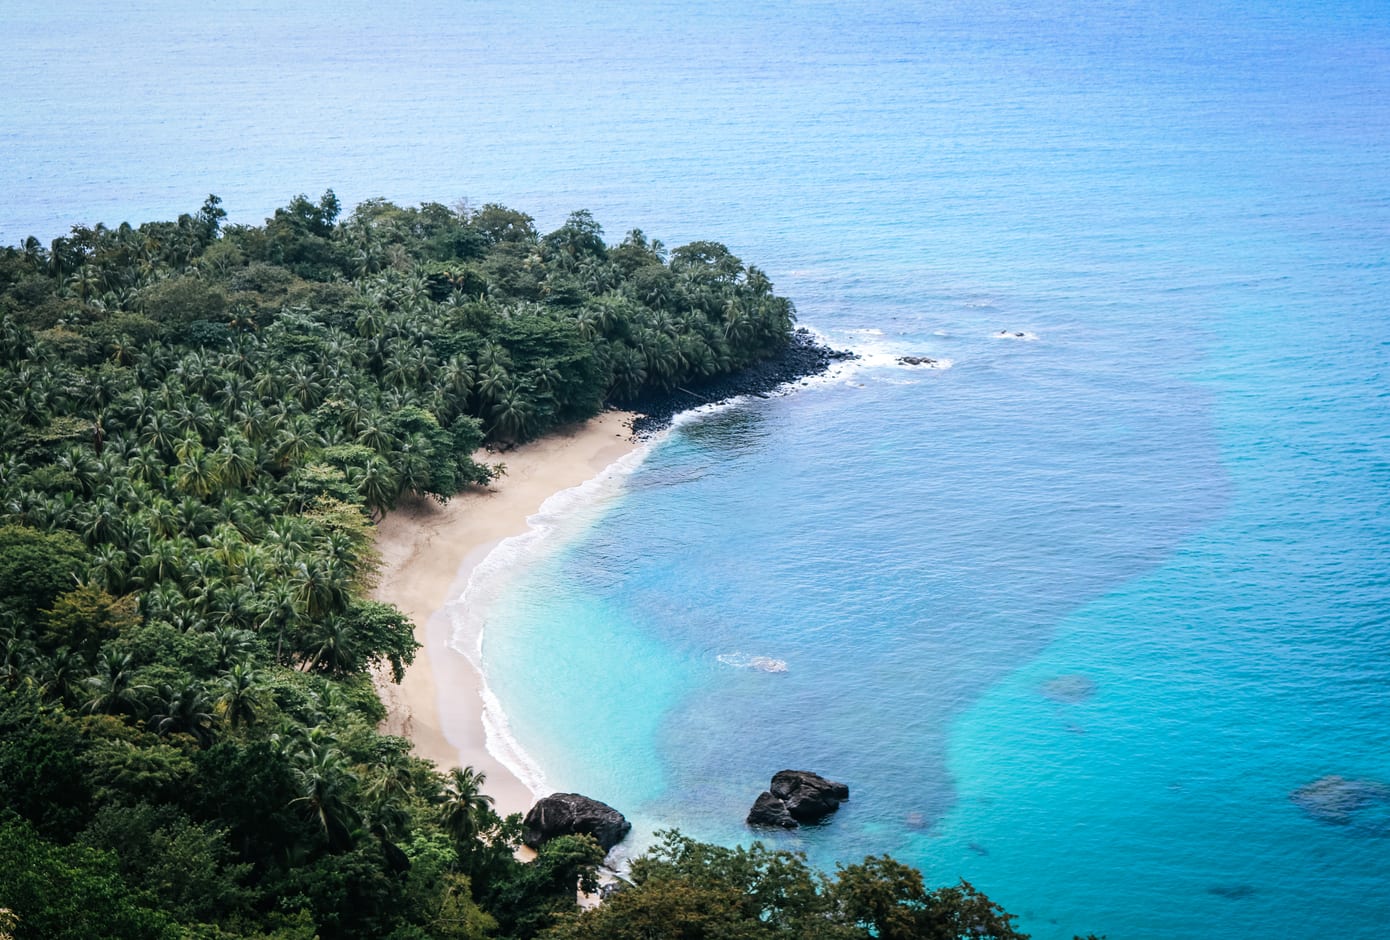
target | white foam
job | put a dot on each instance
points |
(1022, 336)
(567, 514)
(761, 663)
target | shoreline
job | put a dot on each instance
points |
(804, 356)
(429, 550)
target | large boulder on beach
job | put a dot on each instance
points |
(567, 814)
(795, 797)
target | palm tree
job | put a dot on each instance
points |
(234, 461)
(390, 787)
(321, 587)
(491, 385)
(112, 689)
(321, 776)
(184, 709)
(511, 415)
(463, 804)
(58, 674)
(334, 654)
(295, 441)
(239, 694)
(234, 646)
(376, 484)
(109, 568)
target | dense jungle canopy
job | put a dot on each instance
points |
(202, 422)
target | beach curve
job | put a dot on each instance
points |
(428, 551)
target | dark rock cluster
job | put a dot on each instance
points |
(1341, 802)
(796, 797)
(801, 358)
(916, 361)
(567, 814)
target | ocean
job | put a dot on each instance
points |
(1075, 613)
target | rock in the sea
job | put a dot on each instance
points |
(1335, 799)
(808, 796)
(797, 796)
(916, 361)
(1072, 689)
(564, 814)
(768, 810)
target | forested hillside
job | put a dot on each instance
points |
(201, 424)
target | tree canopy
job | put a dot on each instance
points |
(203, 422)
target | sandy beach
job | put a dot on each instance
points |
(427, 552)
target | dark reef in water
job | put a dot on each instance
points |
(1071, 689)
(801, 358)
(1338, 801)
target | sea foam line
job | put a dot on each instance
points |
(561, 518)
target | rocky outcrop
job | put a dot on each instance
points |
(916, 361)
(565, 814)
(795, 797)
(768, 810)
(802, 357)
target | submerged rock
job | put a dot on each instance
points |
(565, 814)
(1341, 802)
(795, 797)
(1072, 689)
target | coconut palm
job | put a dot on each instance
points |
(463, 803)
(239, 691)
(184, 707)
(112, 689)
(325, 784)
(512, 415)
(376, 484)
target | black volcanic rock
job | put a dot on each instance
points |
(797, 796)
(801, 358)
(768, 810)
(564, 814)
(808, 796)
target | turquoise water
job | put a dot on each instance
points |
(1074, 616)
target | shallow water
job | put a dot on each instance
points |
(1171, 494)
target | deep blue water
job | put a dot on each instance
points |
(1073, 616)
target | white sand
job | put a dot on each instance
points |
(427, 551)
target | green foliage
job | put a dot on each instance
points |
(205, 421)
(35, 567)
(686, 889)
(181, 301)
(535, 896)
(71, 892)
(87, 616)
(189, 869)
(42, 776)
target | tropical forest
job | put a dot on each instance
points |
(202, 424)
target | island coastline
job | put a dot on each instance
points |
(428, 551)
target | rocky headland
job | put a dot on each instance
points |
(802, 357)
